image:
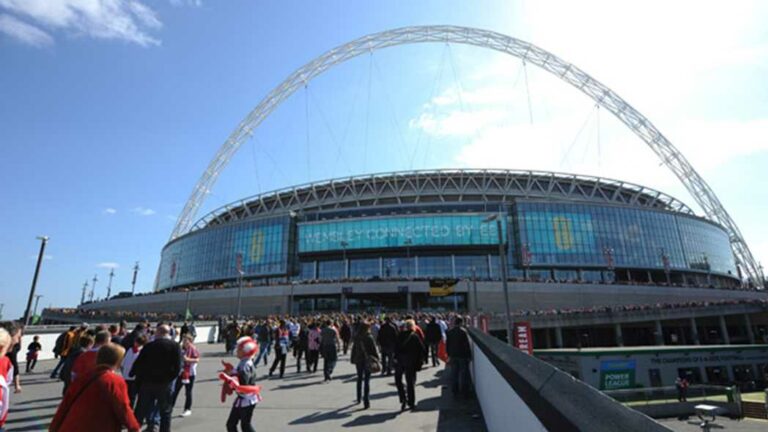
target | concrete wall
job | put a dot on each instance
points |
(205, 333)
(523, 295)
(500, 404)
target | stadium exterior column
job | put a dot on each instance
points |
(750, 333)
(409, 300)
(619, 335)
(658, 333)
(695, 332)
(559, 336)
(724, 330)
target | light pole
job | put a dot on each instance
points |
(344, 245)
(109, 285)
(474, 285)
(37, 300)
(503, 265)
(43, 242)
(85, 288)
(93, 287)
(2, 306)
(667, 267)
(133, 282)
(239, 264)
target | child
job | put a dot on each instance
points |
(32, 350)
(242, 408)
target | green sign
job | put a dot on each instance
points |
(399, 231)
(617, 374)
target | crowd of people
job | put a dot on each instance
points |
(116, 378)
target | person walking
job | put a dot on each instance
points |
(155, 370)
(264, 337)
(346, 335)
(84, 343)
(302, 344)
(6, 376)
(128, 360)
(433, 335)
(409, 355)
(244, 404)
(282, 343)
(33, 349)
(86, 362)
(329, 343)
(188, 373)
(61, 349)
(387, 339)
(313, 347)
(365, 358)
(98, 401)
(459, 355)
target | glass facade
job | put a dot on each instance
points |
(397, 231)
(555, 234)
(260, 246)
(545, 240)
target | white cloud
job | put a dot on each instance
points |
(143, 211)
(109, 265)
(24, 32)
(127, 20)
(109, 211)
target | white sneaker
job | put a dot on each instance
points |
(186, 413)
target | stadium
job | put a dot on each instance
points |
(590, 262)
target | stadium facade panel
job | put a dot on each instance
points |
(437, 225)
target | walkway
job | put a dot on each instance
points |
(299, 402)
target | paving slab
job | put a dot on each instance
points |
(297, 402)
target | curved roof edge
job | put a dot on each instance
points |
(441, 185)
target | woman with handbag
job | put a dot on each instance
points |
(365, 357)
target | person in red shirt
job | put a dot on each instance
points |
(86, 362)
(98, 401)
(6, 376)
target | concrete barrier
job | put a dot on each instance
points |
(517, 391)
(48, 334)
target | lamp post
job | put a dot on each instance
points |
(2, 306)
(43, 242)
(503, 265)
(239, 264)
(37, 300)
(133, 281)
(667, 267)
(473, 269)
(345, 273)
(109, 285)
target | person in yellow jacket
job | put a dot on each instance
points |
(61, 350)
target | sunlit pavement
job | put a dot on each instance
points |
(300, 402)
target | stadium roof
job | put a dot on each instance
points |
(440, 186)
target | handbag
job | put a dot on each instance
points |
(373, 364)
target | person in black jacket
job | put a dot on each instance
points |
(387, 339)
(302, 345)
(433, 336)
(363, 349)
(459, 355)
(409, 355)
(155, 370)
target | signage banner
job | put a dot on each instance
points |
(617, 374)
(441, 287)
(398, 231)
(523, 336)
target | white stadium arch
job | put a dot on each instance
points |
(602, 95)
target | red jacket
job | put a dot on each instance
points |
(102, 407)
(84, 364)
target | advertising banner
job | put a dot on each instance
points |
(617, 374)
(398, 231)
(441, 287)
(523, 336)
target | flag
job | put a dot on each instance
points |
(188, 315)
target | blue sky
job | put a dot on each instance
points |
(111, 110)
